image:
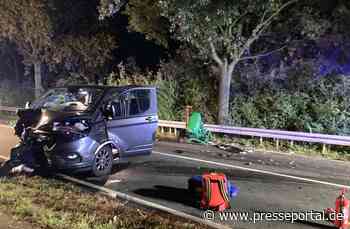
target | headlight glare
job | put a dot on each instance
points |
(56, 126)
(72, 156)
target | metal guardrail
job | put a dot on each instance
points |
(267, 133)
(324, 139)
(8, 109)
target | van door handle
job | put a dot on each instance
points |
(150, 119)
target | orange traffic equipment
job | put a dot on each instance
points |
(342, 209)
(215, 192)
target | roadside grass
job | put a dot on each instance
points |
(51, 203)
(306, 149)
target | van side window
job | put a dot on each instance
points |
(118, 102)
(139, 102)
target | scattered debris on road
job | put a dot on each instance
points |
(222, 147)
(243, 153)
(21, 169)
(195, 131)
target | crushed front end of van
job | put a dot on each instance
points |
(74, 128)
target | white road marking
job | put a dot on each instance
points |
(147, 203)
(4, 158)
(253, 170)
(113, 182)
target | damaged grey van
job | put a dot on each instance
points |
(89, 128)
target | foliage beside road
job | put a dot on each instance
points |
(50, 203)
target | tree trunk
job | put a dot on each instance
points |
(38, 79)
(226, 70)
(224, 93)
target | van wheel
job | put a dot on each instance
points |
(103, 162)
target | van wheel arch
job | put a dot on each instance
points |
(111, 144)
(103, 161)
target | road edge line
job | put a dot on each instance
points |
(116, 194)
(252, 170)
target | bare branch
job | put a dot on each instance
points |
(263, 16)
(215, 54)
(246, 46)
(261, 27)
(262, 55)
(234, 24)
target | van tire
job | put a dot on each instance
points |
(103, 162)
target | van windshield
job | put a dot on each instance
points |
(69, 99)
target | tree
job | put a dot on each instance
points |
(83, 55)
(146, 16)
(223, 31)
(26, 24)
(61, 34)
(108, 8)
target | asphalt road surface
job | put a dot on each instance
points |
(162, 178)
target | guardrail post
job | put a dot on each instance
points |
(261, 141)
(277, 144)
(188, 111)
(291, 143)
(324, 148)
